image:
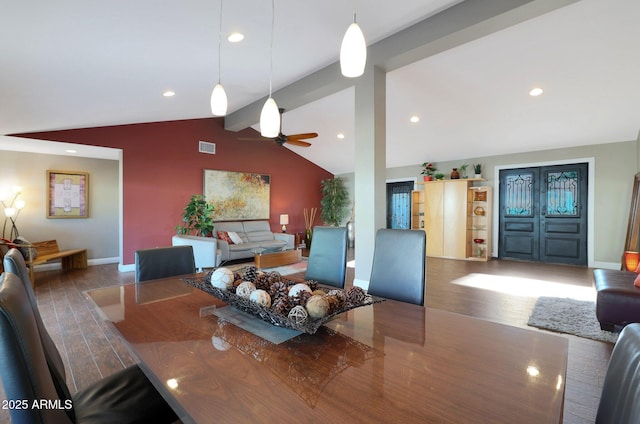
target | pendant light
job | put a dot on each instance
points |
(218, 96)
(353, 51)
(270, 116)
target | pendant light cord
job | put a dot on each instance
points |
(273, 13)
(220, 44)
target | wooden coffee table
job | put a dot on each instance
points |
(274, 259)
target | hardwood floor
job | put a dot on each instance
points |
(500, 291)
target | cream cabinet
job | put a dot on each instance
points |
(449, 221)
(479, 201)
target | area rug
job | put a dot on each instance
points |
(569, 316)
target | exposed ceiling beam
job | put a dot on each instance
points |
(462, 23)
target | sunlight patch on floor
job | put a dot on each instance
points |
(526, 287)
(351, 264)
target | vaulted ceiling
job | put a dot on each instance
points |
(467, 76)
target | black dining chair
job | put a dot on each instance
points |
(328, 256)
(398, 270)
(620, 399)
(124, 397)
(162, 262)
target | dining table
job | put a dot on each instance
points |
(389, 361)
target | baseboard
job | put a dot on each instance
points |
(607, 265)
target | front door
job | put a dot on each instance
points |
(543, 214)
(399, 205)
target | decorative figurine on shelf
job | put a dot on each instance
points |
(455, 175)
(428, 169)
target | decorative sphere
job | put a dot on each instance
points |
(245, 289)
(298, 314)
(261, 297)
(297, 288)
(222, 278)
(318, 292)
(317, 306)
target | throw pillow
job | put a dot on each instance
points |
(25, 250)
(223, 235)
(235, 238)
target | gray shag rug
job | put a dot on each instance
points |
(569, 316)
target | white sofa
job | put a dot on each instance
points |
(204, 249)
(254, 234)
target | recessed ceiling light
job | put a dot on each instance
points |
(71, 151)
(169, 93)
(340, 136)
(536, 92)
(235, 37)
(414, 119)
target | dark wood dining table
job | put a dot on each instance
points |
(387, 362)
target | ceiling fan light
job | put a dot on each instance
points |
(353, 52)
(270, 119)
(218, 101)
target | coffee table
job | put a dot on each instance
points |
(270, 259)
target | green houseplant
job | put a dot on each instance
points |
(335, 199)
(428, 169)
(477, 169)
(463, 169)
(439, 176)
(197, 217)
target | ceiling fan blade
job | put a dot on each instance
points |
(298, 143)
(300, 136)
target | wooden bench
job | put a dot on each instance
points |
(48, 251)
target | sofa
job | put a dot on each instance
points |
(239, 239)
(617, 299)
(204, 249)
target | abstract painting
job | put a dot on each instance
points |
(237, 195)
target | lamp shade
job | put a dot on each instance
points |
(631, 260)
(284, 219)
(270, 119)
(218, 101)
(353, 52)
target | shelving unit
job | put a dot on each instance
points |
(479, 223)
(417, 210)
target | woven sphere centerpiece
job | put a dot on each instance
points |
(222, 278)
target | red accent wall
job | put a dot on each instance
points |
(162, 169)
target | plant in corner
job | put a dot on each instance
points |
(197, 217)
(335, 199)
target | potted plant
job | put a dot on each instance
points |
(439, 176)
(428, 169)
(197, 217)
(334, 202)
(477, 168)
(463, 170)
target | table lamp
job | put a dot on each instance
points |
(284, 220)
(631, 260)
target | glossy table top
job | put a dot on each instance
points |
(388, 362)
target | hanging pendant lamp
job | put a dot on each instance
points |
(353, 51)
(218, 95)
(270, 116)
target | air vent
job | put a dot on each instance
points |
(206, 147)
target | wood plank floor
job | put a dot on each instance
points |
(500, 291)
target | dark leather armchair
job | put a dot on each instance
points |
(398, 270)
(620, 400)
(124, 397)
(328, 256)
(162, 262)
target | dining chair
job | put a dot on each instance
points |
(124, 397)
(162, 262)
(14, 263)
(620, 399)
(328, 256)
(398, 270)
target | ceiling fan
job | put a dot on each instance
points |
(293, 139)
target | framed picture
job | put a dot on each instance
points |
(68, 194)
(237, 195)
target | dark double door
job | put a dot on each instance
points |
(543, 214)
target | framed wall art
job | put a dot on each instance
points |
(237, 195)
(67, 194)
